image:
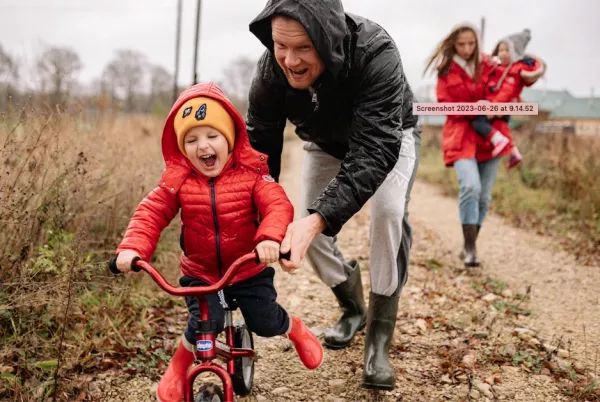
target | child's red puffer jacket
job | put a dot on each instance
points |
(523, 73)
(220, 216)
(509, 90)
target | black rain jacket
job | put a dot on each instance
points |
(355, 111)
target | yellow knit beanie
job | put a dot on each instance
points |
(203, 111)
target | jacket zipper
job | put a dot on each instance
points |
(213, 200)
(315, 99)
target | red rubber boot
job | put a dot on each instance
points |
(172, 383)
(307, 346)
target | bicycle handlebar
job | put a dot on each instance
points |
(137, 264)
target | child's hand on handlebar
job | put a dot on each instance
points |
(268, 251)
(124, 260)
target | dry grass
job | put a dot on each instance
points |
(68, 186)
(555, 190)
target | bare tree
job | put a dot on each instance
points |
(161, 86)
(8, 67)
(57, 67)
(160, 80)
(126, 74)
(237, 78)
(108, 83)
(8, 77)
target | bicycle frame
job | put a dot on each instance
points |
(207, 348)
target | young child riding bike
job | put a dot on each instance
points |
(230, 206)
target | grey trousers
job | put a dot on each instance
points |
(390, 231)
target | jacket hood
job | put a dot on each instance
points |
(323, 20)
(473, 27)
(516, 43)
(243, 153)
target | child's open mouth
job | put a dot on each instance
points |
(209, 160)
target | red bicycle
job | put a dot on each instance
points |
(238, 350)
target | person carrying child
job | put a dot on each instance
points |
(230, 206)
(514, 71)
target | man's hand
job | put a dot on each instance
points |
(297, 239)
(124, 260)
(268, 251)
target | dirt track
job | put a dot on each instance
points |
(452, 335)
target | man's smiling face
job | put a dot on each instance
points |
(295, 53)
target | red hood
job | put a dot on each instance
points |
(243, 152)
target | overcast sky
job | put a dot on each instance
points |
(566, 33)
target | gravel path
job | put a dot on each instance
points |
(564, 293)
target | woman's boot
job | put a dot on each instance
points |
(461, 255)
(470, 236)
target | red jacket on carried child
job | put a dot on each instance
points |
(222, 218)
(518, 75)
(505, 83)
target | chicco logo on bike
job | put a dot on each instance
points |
(204, 345)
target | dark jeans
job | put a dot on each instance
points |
(483, 125)
(256, 299)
